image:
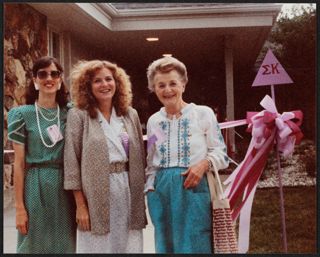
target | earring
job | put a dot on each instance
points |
(36, 86)
(59, 85)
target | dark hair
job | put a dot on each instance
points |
(32, 94)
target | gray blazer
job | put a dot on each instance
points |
(86, 162)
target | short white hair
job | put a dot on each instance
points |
(165, 65)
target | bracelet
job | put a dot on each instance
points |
(210, 167)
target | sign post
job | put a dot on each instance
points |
(272, 73)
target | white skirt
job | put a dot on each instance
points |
(120, 239)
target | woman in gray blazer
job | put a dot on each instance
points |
(104, 160)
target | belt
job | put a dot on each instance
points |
(45, 165)
(117, 167)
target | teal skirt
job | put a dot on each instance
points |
(182, 218)
(51, 213)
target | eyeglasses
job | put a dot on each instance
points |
(43, 74)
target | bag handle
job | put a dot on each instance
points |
(216, 191)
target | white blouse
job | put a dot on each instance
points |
(184, 141)
(113, 132)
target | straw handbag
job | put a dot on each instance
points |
(224, 236)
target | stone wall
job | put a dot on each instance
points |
(25, 40)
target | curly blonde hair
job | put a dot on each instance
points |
(165, 65)
(82, 75)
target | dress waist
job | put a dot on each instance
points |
(45, 165)
(117, 167)
(172, 169)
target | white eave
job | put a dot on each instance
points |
(194, 10)
(235, 15)
(96, 12)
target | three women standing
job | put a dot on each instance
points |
(104, 160)
(45, 216)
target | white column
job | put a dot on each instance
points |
(228, 56)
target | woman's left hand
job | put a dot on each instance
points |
(194, 174)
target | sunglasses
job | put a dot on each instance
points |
(43, 74)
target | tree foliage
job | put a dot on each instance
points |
(293, 42)
(294, 38)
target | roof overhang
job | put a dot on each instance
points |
(199, 30)
(209, 16)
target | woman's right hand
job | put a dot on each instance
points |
(83, 218)
(22, 221)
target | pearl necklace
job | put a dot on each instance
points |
(39, 128)
(47, 119)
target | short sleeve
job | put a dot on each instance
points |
(16, 126)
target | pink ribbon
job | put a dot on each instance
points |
(125, 142)
(231, 124)
(266, 127)
(157, 135)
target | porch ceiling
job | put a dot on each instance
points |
(188, 33)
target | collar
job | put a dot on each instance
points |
(183, 111)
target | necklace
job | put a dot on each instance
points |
(47, 119)
(39, 128)
(176, 115)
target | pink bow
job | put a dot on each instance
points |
(288, 132)
(265, 127)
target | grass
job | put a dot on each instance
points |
(300, 206)
(300, 213)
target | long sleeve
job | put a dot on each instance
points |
(217, 151)
(150, 169)
(73, 150)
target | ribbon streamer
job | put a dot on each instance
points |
(267, 127)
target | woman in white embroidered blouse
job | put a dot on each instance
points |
(184, 142)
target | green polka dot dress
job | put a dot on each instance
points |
(51, 209)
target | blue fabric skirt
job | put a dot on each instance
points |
(182, 218)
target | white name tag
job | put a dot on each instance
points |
(54, 133)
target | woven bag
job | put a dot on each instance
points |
(224, 235)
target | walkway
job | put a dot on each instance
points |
(10, 232)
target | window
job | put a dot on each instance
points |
(55, 44)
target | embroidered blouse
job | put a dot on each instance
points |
(184, 141)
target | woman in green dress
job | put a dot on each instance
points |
(45, 212)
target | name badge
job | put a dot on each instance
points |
(54, 133)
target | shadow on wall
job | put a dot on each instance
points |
(25, 40)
